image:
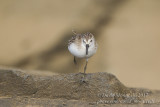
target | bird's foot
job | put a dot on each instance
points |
(83, 79)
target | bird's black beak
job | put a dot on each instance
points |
(87, 46)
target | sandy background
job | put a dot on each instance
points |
(34, 36)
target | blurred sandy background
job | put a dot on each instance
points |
(34, 36)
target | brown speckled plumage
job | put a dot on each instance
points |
(78, 37)
(88, 36)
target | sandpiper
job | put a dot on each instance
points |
(82, 46)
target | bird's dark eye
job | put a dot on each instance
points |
(91, 41)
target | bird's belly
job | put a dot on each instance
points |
(91, 52)
(76, 51)
(81, 52)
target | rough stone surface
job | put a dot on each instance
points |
(76, 89)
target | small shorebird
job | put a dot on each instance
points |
(82, 46)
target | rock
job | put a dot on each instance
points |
(75, 89)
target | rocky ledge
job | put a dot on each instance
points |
(18, 88)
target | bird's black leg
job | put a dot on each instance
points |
(75, 62)
(85, 66)
(84, 76)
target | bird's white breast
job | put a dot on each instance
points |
(80, 52)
